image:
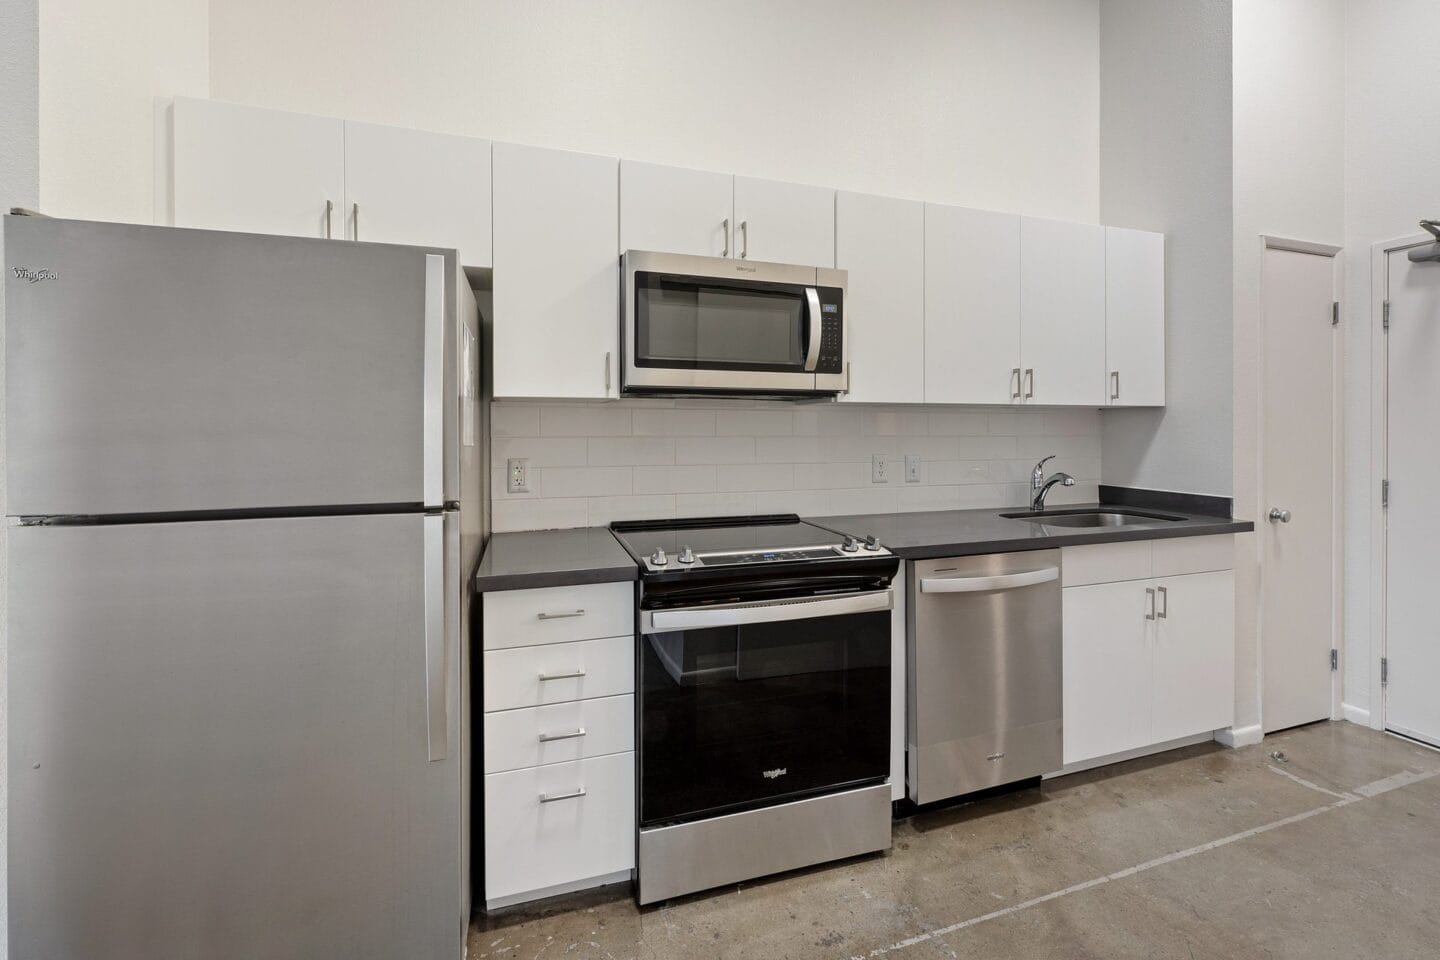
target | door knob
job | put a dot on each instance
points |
(1279, 516)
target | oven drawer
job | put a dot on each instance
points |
(560, 732)
(542, 832)
(521, 618)
(559, 672)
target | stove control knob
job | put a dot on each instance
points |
(872, 542)
(658, 558)
(850, 545)
(686, 554)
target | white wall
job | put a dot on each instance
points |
(642, 459)
(988, 104)
(102, 64)
(1165, 147)
(19, 187)
(1392, 180)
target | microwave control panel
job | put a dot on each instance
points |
(832, 327)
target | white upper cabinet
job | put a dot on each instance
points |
(881, 242)
(1062, 312)
(784, 222)
(257, 171)
(972, 306)
(557, 274)
(675, 210)
(1135, 317)
(410, 186)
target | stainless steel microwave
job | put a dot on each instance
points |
(702, 325)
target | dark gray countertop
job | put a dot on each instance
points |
(553, 558)
(959, 533)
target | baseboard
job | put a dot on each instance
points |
(1234, 737)
(1080, 766)
(1358, 715)
(560, 889)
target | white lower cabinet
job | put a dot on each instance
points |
(1147, 661)
(559, 732)
(558, 672)
(555, 828)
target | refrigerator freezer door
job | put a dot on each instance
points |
(151, 370)
(219, 742)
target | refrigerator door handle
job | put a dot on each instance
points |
(434, 382)
(437, 718)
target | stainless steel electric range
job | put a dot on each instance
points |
(763, 671)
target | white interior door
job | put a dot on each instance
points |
(1412, 563)
(1298, 554)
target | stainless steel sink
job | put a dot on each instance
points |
(1094, 518)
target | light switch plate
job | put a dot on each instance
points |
(517, 475)
(877, 468)
(912, 468)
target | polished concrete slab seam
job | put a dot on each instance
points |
(1360, 794)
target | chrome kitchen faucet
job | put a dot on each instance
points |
(1039, 486)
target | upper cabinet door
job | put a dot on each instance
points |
(410, 186)
(1062, 312)
(784, 222)
(557, 273)
(257, 171)
(675, 210)
(972, 306)
(881, 242)
(1135, 317)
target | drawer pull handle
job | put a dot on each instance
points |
(576, 794)
(560, 616)
(547, 737)
(573, 674)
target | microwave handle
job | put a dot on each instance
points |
(812, 357)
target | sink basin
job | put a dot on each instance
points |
(1094, 518)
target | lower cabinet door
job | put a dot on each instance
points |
(1107, 659)
(558, 826)
(1193, 684)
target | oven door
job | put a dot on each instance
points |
(745, 705)
(714, 324)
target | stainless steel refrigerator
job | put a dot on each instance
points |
(245, 496)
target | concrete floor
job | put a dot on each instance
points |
(1201, 852)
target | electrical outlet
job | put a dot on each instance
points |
(912, 468)
(877, 469)
(517, 475)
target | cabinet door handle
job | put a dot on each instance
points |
(1165, 604)
(1015, 375)
(559, 616)
(1030, 383)
(744, 239)
(1150, 596)
(571, 675)
(725, 224)
(329, 212)
(1114, 384)
(355, 218)
(575, 794)
(548, 737)
(607, 373)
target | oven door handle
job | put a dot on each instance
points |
(1008, 581)
(766, 611)
(812, 358)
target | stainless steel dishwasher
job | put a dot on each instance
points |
(984, 672)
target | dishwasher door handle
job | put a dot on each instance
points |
(1005, 581)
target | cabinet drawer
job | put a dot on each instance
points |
(600, 668)
(521, 618)
(559, 732)
(532, 844)
(1105, 563)
(1194, 555)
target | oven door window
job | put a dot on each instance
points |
(693, 324)
(740, 717)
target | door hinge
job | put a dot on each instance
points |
(1385, 315)
(1335, 314)
(1384, 670)
(1384, 494)
(1334, 659)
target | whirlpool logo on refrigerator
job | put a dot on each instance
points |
(33, 276)
(775, 774)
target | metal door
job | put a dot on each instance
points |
(151, 369)
(220, 740)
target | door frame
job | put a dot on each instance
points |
(1379, 457)
(1337, 479)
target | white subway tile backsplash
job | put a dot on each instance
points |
(591, 463)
